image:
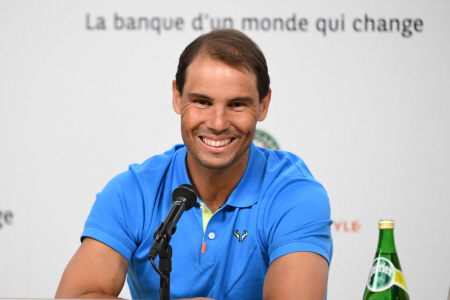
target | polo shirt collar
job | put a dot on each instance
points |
(246, 192)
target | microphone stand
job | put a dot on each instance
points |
(165, 266)
(183, 198)
(163, 234)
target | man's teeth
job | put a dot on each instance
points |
(214, 143)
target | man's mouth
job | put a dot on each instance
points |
(216, 143)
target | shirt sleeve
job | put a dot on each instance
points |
(296, 217)
(117, 214)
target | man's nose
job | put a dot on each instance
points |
(218, 120)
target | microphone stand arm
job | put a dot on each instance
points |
(162, 248)
(162, 238)
(165, 266)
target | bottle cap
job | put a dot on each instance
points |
(386, 224)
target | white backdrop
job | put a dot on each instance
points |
(367, 111)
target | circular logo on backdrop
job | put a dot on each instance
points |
(265, 140)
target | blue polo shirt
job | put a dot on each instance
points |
(277, 208)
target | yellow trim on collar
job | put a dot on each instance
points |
(206, 215)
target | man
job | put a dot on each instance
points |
(261, 225)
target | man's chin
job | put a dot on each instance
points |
(215, 165)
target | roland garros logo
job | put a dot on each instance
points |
(265, 140)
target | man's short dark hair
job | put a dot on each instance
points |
(231, 47)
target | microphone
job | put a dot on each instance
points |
(184, 198)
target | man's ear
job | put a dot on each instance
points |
(176, 98)
(264, 106)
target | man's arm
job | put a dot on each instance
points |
(96, 271)
(297, 275)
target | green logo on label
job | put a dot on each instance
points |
(263, 139)
(381, 275)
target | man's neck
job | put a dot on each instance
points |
(214, 186)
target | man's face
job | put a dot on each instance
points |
(219, 109)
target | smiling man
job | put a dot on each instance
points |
(261, 225)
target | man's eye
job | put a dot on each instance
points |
(238, 104)
(201, 102)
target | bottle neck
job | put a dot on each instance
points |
(386, 242)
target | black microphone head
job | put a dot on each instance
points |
(187, 192)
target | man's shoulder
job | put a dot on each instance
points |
(285, 164)
(139, 176)
(158, 162)
(287, 177)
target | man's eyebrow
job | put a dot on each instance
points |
(237, 99)
(241, 99)
(195, 95)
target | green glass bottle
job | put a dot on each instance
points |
(386, 280)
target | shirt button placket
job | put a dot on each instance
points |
(210, 238)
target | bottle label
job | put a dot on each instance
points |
(383, 275)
